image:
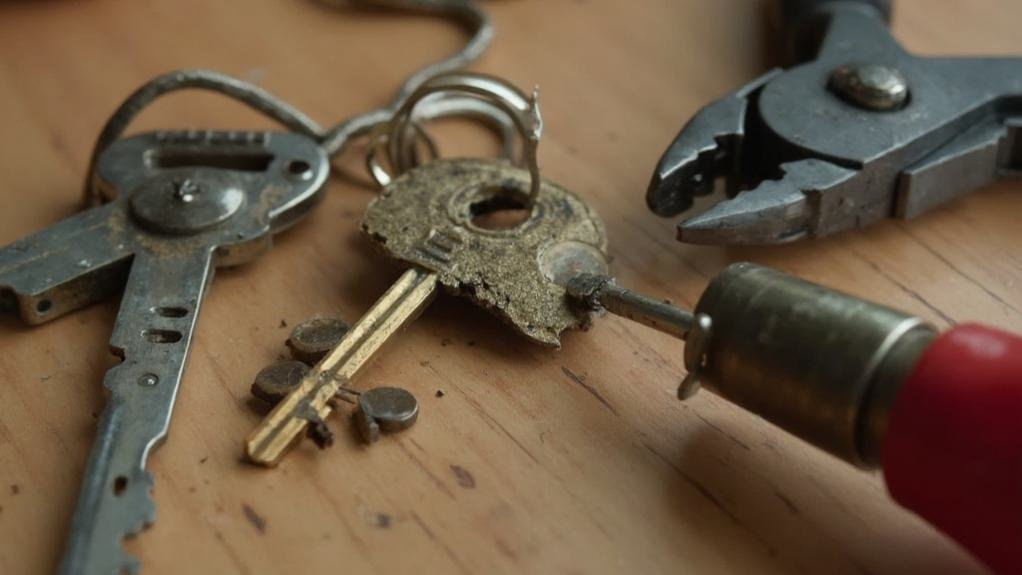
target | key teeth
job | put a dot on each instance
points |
(133, 511)
(124, 563)
(137, 500)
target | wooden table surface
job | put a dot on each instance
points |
(575, 460)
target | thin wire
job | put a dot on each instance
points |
(463, 11)
(521, 110)
(335, 139)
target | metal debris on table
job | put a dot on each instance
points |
(312, 339)
(275, 381)
(385, 409)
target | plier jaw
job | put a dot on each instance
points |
(708, 148)
(861, 132)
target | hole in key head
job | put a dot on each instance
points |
(163, 335)
(239, 162)
(171, 311)
(44, 306)
(120, 485)
(499, 208)
(299, 168)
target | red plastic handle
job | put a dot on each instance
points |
(953, 452)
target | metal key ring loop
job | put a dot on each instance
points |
(333, 139)
(522, 110)
(379, 137)
(434, 108)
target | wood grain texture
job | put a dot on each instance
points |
(577, 460)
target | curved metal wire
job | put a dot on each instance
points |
(520, 109)
(465, 12)
(335, 139)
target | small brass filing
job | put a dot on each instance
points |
(385, 409)
(275, 381)
(312, 339)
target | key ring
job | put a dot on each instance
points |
(522, 110)
(334, 139)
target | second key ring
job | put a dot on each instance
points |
(399, 134)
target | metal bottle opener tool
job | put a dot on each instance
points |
(859, 131)
(426, 218)
(186, 203)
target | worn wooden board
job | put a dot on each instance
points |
(570, 461)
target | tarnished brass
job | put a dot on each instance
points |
(807, 358)
(820, 364)
(385, 409)
(426, 218)
(312, 339)
(275, 381)
(312, 399)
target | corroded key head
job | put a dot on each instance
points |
(232, 190)
(167, 194)
(430, 217)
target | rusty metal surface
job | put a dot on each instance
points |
(425, 218)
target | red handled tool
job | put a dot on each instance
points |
(940, 413)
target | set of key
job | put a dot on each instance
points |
(175, 206)
(430, 218)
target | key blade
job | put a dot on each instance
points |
(152, 335)
(398, 307)
(111, 507)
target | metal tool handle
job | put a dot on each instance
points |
(805, 22)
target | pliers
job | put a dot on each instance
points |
(859, 130)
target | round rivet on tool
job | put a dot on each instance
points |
(186, 205)
(148, 380)
(275, 381)
(387, 409)
(870, 86)
(311, 340)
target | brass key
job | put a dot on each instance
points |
(425, 218)
(431, 217)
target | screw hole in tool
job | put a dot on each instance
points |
(172, 312)
(44, 306)
(163, 335)
(500, 208)
(120, 485)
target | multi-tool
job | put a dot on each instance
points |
(859, 130)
